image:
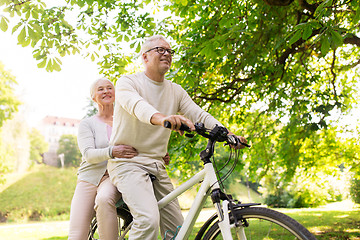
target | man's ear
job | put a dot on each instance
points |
(144, 57)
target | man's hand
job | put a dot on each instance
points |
(124, 151)
(175, 121)
(240, 146)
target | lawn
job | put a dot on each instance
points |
(44, 195)
(324, 223)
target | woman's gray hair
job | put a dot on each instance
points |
(146, 45)
(93, 86)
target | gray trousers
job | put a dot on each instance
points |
(141, 196)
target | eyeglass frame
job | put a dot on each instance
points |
(170, 51)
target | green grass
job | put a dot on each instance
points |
(329, 224)
(43, 194)
(323, 223)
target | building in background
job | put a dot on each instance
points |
(53, 128)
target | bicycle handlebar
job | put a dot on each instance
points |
(218, 133)
(183, 126)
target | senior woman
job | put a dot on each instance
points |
(94, 191)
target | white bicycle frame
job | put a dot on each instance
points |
(209, 180)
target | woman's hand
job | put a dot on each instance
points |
(166, 159)
(124, 151)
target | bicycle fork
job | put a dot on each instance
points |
(224, 222)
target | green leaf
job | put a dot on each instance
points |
(49, 66)
(356, 19)
(32, 34)
(296, 37)
(26, 42)
(320, 9)
(16, 27)
(34, 14)
(325, 45)
(307, 32)
(21, 36)
(4, 24)
(337, 38)
(42, 64)
(56, 66)
(184, 2)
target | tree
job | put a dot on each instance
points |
(8, 106)
(16, 143)
(38, 145)
(8, 101)
(91, 108)
(280, 68)
(68, 147)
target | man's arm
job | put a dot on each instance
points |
(129, 98)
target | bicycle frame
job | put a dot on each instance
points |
(209, 181)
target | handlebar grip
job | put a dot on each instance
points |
(183, 126)
(232, 139)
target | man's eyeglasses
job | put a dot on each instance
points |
(162, 50)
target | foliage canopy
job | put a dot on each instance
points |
(275, 70)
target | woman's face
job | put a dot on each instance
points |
(104, 92)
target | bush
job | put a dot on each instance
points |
(355, 190)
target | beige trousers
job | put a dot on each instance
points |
(141, 195)
(89, 199)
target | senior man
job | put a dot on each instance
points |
(144, 101)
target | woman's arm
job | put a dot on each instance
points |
(86, 142)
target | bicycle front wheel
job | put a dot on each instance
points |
(261, 223)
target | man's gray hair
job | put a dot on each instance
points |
(93, 86)
(146, 45)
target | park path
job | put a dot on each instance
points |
(56, 230)
(35, 231)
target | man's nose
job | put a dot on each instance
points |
(167, 52)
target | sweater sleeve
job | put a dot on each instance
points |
(87, 146)
(192, 111)
(129, 98)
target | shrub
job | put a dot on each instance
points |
(355, 190)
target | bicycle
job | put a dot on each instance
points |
(232, 220)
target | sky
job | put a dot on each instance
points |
(62, 94)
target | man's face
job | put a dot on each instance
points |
(158, 62)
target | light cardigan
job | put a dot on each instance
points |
(94, 146)
(137, 98)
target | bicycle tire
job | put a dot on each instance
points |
(263, 223)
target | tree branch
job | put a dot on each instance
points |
(278, 2)
(352, 39)
(294, 48)
(214, 96)
(310, 7)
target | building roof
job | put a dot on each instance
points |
(60, 121)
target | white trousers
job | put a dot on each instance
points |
(89, 199)
(141, 195)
